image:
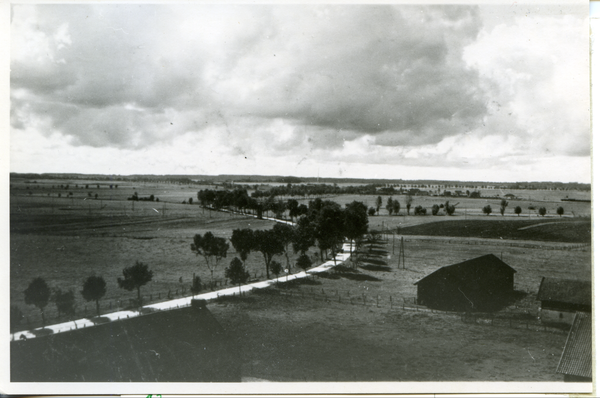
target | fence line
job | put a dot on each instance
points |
(506, 319)
(489, 242)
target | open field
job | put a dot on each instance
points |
(291, 339)
(65, 240)
(575, 231)
(300, 338)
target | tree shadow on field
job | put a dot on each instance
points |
(42, 332)
(98, 320)
(238, 298)
(377, 252)
(376, 268)
(373, 261)
(342, 271)
(296, 283)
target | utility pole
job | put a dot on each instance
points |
(401, 253)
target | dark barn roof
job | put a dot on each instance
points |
(463, 271)
(576, 359)
(181, 345)
(565, 291)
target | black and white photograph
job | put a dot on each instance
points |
(310, 197)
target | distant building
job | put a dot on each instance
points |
(480, 284)
(562, 298)
(576, 359)
(182, 345)
(510, 196)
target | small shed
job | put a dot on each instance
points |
(481, 284)
(562, 298)
(576, 359)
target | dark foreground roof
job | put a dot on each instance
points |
(565, 291)
(182, 345)
(467, 267)
(576, 359)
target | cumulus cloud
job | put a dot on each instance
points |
(334, 68)
(345, 86)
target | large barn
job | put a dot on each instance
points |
(481, 284)
(562, 298)
(181, 345)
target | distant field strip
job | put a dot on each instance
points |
(496, 242)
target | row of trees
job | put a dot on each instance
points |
(239, 200)
(487, 210)
(39, 294)
(325, 223)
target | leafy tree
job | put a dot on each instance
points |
(378, 204)
(408, 199)
(487, 210)
(372, 211)
(503, 206)
(38, 294)
(542, 211)
(304, 235)
(420, 211)
(396, 206)
(16, 316)
(303, 262)
(329, 229)
(356, 222)
(449, 209)
(390, 205)
(65, 302)
(196, 285)
(209, 246)
(135, 277)
(243, 242)
(435, 209)
(292, 206)
(518, 211)
(560, 211)
(285, 233)
(276, 268)
(269, 244)
(94, 288)
(236, 273)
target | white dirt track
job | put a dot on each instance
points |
(181, 302)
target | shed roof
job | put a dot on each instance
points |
(487, 261)
(576, 359)
(565, 291)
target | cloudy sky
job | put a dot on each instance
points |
(496, 92)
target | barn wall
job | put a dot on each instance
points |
(554, 316)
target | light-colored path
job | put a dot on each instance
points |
(182, 302)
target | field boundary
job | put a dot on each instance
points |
(485, 241)
(504, 319)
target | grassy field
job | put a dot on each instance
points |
(575, 231)
(300, 338)
(65, 240)
(291, 339)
